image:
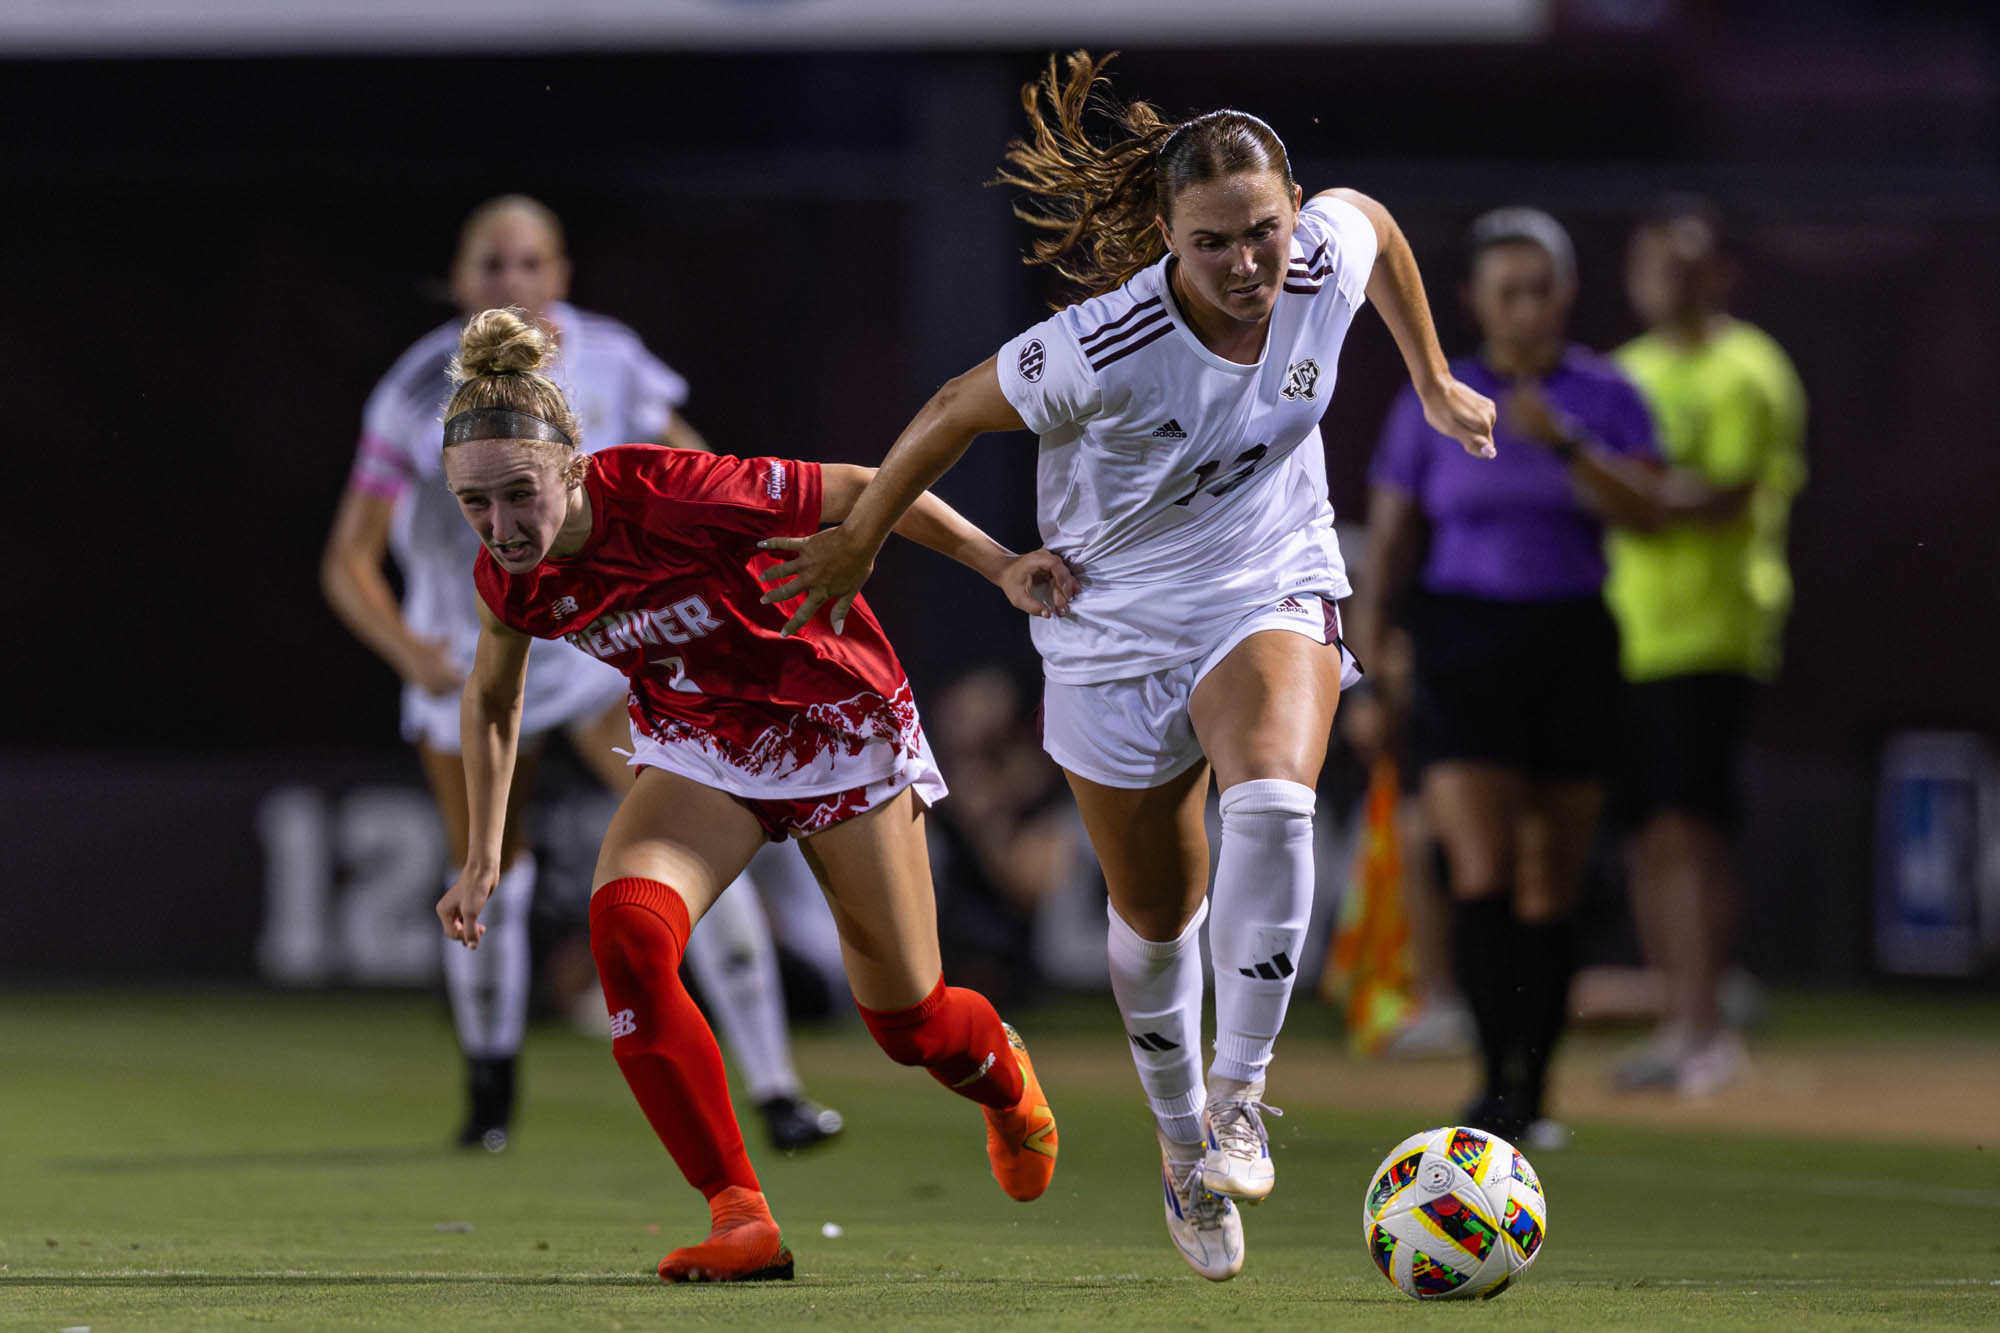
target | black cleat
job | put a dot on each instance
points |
(489, 1086)
(792, 1123)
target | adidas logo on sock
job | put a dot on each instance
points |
(1274, 968)
(1152, 1041)
(1171, 431)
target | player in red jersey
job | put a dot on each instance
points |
(649, 558)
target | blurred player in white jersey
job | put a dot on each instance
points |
(1181, 476)
(511, 253)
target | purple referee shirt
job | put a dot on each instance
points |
(1511, 528)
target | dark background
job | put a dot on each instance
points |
(214, 260)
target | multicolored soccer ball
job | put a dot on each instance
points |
(1454, 1213)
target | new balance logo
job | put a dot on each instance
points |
(1171, 431)
(1294, 606)
(564, 608)
(624, 1023)
(1274, 968)
(1152, 1041)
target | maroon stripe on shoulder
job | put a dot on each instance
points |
(1312, 258)
(1132, 347)
(1302, 290)
(1085, 339)
(1146, 325)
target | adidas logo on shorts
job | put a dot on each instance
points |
(1295, 605)
(1171, 431)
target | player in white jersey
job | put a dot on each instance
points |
(511, 253)
(1181, 477)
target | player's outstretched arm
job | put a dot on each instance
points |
(489, 730)
(1397, 291)
(831, 566)
(1039, 583)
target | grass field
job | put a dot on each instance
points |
(222, 1160)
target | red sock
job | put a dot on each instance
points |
(956, 1036)
(638, 932)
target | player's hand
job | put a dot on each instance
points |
(1040, 583)
(433, 669)
(462, 903)
(827, 567)
(1460, 411)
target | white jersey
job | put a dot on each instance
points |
(1186, 490)
(620, 393)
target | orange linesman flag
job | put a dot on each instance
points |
(1368, 969)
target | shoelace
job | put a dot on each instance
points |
(1205, 1208)
(1239, 1126)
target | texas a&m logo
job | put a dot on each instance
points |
(621, 631)
(1301, 378)
(1029, 363)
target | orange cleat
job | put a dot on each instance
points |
(1021, 1140)
(743, 1244)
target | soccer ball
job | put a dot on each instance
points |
(1454, 1213)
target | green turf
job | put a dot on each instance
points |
(219, 1161)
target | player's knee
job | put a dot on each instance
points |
(638, 930)
(1268, 803)
(1156, 923)
(913, 1036)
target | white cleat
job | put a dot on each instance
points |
(1207, 1229)
(1711, 1067)
(1238, 1157)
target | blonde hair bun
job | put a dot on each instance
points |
(501, 356)
(500, 342)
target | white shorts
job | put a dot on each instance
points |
(802, 816)
(1136, 733)
(565, 685)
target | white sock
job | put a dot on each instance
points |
(489, 985)
(1263, 899)
(797, 914)
(732, 960)
(1157, 984)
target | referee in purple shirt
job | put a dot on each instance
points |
(1516, 680)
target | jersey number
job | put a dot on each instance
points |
(677, 676)
(1245, 463)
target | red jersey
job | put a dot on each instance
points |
(666, 589)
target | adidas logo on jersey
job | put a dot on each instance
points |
(1171, 431)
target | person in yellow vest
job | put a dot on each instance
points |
(1700, 604)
